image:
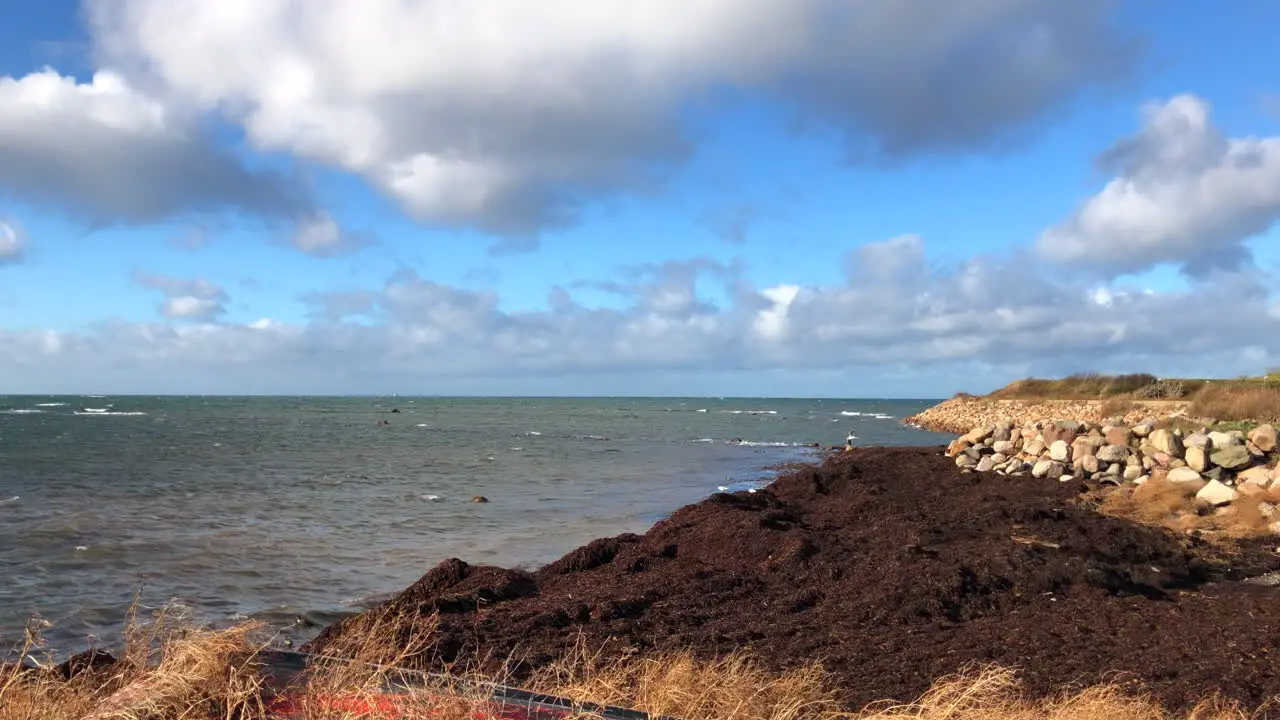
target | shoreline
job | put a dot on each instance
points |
(891, 564)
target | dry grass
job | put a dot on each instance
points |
(169, 669)
(1173, 505)
(1257, 402)
(176, 672)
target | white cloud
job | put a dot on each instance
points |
(13, 242)
(943, 327)
(108, 152)
(1184, 194)
(186, 299)
(502, 114)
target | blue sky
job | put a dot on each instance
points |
(809, 197)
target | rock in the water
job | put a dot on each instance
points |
(986, 464)
(1215, 493)
(1113, 453)
(1197, 458)
(1167, 442)
(1060, 451)
(1183, 474)
(1265, 437)
(1254, 476)
(479, 499)
(1231, 457)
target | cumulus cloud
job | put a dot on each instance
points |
(108, 152)
(690, 319)
(502, 114)
(1183, 194)
(13, 242)
(193, 299)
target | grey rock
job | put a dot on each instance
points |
(1132, 472)
(986, 465)
(1223, 440)
(1232, 457)
(1200, 440)
(1167, 442)
(1113, 453)
(1060, 451)
(1004, 447)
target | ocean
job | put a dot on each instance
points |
(298, 511)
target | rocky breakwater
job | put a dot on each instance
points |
(963, 412)
(1218, 467)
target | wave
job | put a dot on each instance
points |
(22, 411)
(43, 405)
(878, 416)
(11, 501)
(93, 412)
(752, 412)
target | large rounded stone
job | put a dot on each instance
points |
(1167, 442)
(1183, 474)
(1264, 436)
(1232, 457)
(1060, 451)
(1113, 453)
(1215, 493)
(1197, 458)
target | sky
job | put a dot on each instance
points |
(842, 198)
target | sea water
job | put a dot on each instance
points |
(295, 511)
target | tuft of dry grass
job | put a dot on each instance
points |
(170, 669)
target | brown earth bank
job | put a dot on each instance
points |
(893, 569)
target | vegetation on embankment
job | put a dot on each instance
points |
(1237, 403)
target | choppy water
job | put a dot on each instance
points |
(277, 508)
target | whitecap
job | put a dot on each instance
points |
(107, 413)
(51, 405)
(11, 501)
(702, 410)
(753, 412)
(533, 433)
(422, 425)
(81, 548)
(27, 411)
(850, 413)
(431, 498)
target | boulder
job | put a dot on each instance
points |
(1004, 447)
(1060, 451)
(1254, 476)
(1047, 469)
(1197, 458)
(1200, 440)
(1142, 480)
(1215, 493)
(1089, 464)
(1231, 456)
(1144, 428)
(1082, 446)
(1035, 448)
(1113, 453)
(957, 446)
(1167, 442)
(964, 461)
(979, 434)
(999, 459)
(1118, 435)
(986, 464)
(1215, 473)
(1183, 474)
(1254, 450)
(1132, 472)
(1015, 435)
(1223, 440)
